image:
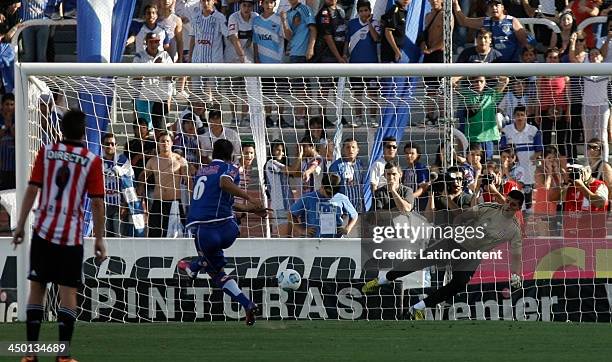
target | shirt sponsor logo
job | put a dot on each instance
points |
(67, 156)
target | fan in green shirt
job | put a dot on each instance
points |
(481, 104)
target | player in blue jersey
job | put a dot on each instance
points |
(321, 213)
(211, 219)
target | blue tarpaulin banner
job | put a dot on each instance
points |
(92, 47)
(396, 116)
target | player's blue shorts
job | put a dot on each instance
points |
(211, 239)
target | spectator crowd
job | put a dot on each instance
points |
(547, 136)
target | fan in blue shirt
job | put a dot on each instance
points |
(320, 213)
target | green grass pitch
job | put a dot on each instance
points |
(332, 341)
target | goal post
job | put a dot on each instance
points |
(140, 281)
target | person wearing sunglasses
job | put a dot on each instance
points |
(600, 168)
(377, 170)
(447, 197)
(112, 195)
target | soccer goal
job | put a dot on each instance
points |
(289, 124)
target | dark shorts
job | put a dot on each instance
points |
(326, 83)
(274, 86)
(435, 57)
(298, 85)
(53, 263)
(211, 239)
(361, 83)
(159, 217)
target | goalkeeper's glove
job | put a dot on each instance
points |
(516, 281)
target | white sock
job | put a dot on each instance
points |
(382, 278)
(232, 287)
(419, 305)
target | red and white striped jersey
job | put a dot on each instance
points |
(64, 172)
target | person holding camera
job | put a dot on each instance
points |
(600, 169)
(490, 185)
(585, 204)
(549, 178)
(447, 197)
(497, 182)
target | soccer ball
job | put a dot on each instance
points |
(289, 279)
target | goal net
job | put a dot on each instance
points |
(502, 127)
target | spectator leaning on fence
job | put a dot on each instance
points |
(309, 165)
(278, 189)
(112, 192)
(394, 196)
(549, 178)
(416, 175)
(140, 148)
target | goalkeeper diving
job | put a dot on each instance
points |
(499, 223)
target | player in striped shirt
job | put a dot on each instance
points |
(352, 173)
(64, 173)
(211, 218)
